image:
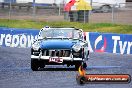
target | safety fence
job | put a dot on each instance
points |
(97, 42)
(103, 13)
(30, 11)
(114, 13)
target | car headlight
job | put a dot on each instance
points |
(36, 46)
(76, 47)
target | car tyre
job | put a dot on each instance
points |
(106, 8)
(42, 64)
(77, 65)
(84, 65)
(34, 65)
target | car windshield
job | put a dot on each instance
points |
(60, 33)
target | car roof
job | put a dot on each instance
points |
(64, 28)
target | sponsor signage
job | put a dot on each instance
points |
(12, 37)
(112, 43)
(97, 42)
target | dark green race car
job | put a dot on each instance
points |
(59, 46)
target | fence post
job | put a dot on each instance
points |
(59, 9)
(84, 16)
(10, 8)
(89, 12)
(113, 7)
(34, 10)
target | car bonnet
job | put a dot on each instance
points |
(56, 44)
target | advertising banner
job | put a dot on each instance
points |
(97, 42)
(13, 37)
(108, 42)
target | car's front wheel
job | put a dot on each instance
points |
(77, 65)
(34, 64)
(84, 65)
(42, 64)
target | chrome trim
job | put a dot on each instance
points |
(64, 58)
(58, 53)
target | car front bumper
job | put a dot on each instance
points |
(64, 58)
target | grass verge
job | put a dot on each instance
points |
(88, 27)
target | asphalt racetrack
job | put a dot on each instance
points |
(15, 70)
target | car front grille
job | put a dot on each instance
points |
(56, 53)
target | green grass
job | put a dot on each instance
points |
(95, 27)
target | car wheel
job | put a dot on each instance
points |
(77, 65)
(84, 65)
(106, 8)
(42, 64)
(34, 65)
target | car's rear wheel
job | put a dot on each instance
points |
(34, 64)
(77, 65)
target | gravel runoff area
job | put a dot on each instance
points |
(15, 70)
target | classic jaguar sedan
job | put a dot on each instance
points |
(59, 46)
